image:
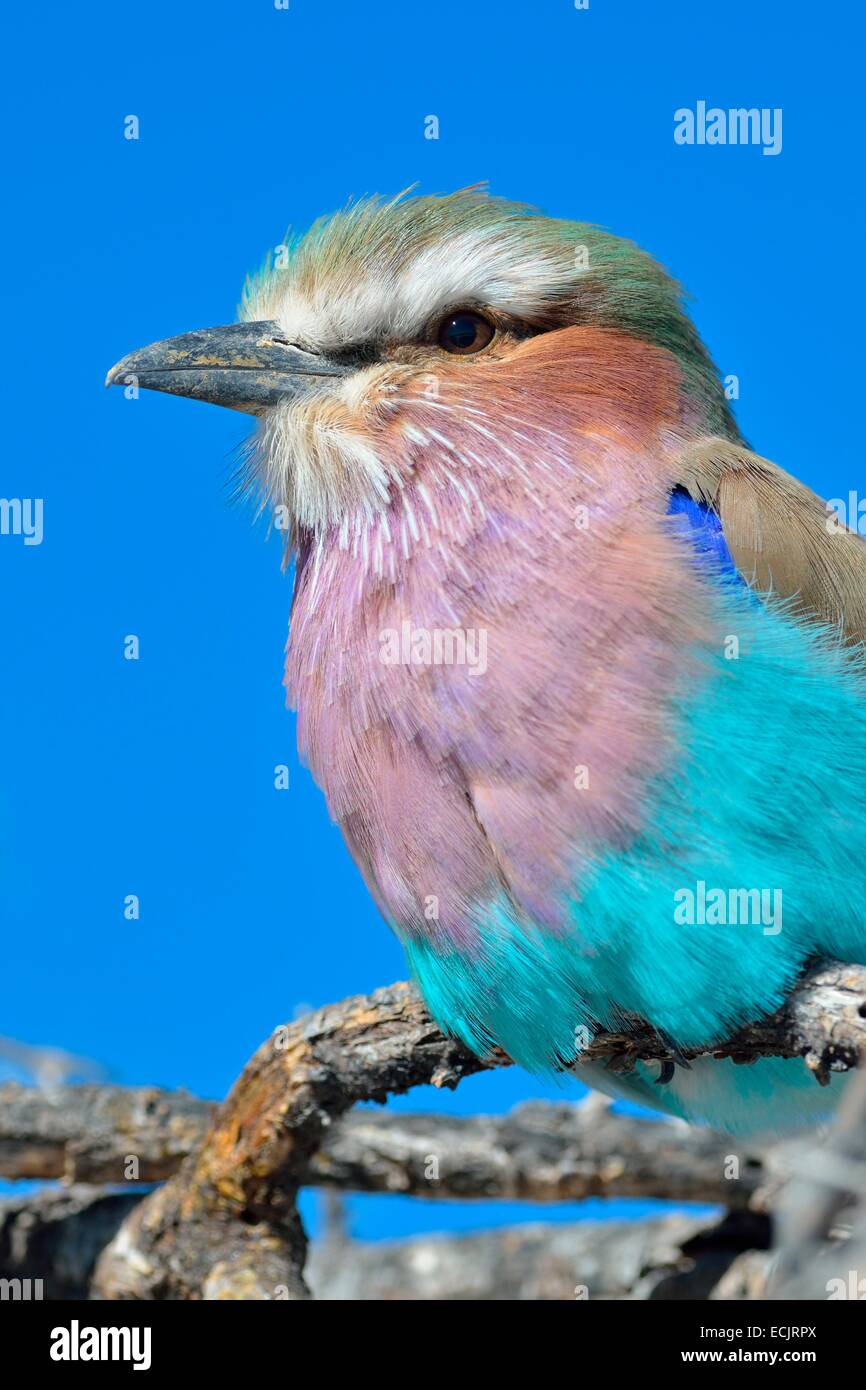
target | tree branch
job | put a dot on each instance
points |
(55, 1236)
(88, 1133)
(226, 1225)
(670, 1257)
(823, 1021)
(539, 1152)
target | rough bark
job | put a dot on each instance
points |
(672, 1257)
(823, 1021)
(539, 1152)
(90, 1133)
(55, 1236)
(226, 1225)
(821, 1210)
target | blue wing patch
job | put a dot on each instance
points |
(707, 535)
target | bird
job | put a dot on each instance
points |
(579, 673)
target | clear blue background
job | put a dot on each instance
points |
(156, 777)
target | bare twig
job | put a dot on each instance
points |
(823, 1021)
(49, 1241)
(53, 1238)
(98, 1134)
(671, 1257)
(539, 1152)
(817, 1253)
(226, 1225)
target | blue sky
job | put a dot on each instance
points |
(156, 777)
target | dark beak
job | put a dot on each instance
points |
(245, 366)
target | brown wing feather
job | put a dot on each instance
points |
(781, 535)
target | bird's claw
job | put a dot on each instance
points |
(668, 1065)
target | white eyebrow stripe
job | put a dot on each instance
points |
(362, 302)
(486, 267)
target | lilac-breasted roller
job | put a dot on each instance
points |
(580, 675)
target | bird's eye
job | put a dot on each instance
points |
(465, 332)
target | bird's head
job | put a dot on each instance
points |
(389, 306)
